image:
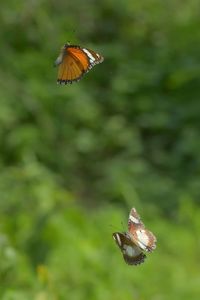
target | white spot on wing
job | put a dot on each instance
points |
(131, 251)
(134, 220)
(142, 238)
(91, 57)
(142, 246)
(118, 239)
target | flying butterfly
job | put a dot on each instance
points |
(74, 61)
(135, 241)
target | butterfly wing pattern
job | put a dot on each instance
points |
(135, 241)
(132, 254)
(74, 61)
(142, 237)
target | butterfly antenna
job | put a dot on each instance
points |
(114, 228)
(123, 226)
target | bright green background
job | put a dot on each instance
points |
(74, 159)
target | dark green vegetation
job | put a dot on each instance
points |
(75, 159)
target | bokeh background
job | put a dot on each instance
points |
(75, 159)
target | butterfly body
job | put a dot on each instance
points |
(74, 61)
(135, 241)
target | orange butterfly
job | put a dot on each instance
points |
(74, 62)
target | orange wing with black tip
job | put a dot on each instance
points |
(74, 61)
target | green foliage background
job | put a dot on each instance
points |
(74, 159)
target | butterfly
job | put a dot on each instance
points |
(135, 241)
(74, 61)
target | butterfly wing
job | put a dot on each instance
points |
(94, 58)
(142, 237)
(134, 221)
(74, 62)
(132, 253)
